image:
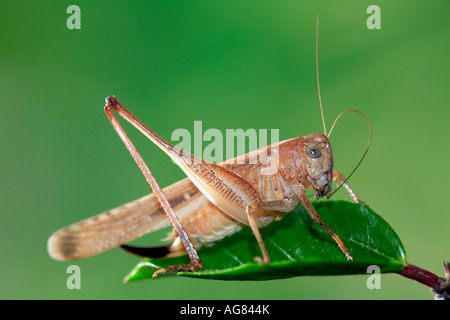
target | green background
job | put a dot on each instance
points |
(231, 64)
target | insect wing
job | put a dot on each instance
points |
(119, 225)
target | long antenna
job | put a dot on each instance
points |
(367, 149)
(317, 71)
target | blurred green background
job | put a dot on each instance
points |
(231, 64)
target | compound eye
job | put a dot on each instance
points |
(313, 151)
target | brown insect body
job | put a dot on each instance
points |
(203, 220)
(215, 201)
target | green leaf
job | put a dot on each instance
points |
(298, 246)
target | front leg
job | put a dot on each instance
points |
(301, 194)
(337, 176)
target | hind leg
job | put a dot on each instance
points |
(112, 104)
(175, 249)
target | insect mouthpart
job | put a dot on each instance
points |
(322, 192)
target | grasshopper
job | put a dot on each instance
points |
(214, 201)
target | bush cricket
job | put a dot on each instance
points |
(214, 201)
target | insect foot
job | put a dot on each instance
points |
(192, 267)
(363, 203)
(343, 249)
(260, 260)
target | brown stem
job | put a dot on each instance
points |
(440, 286)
